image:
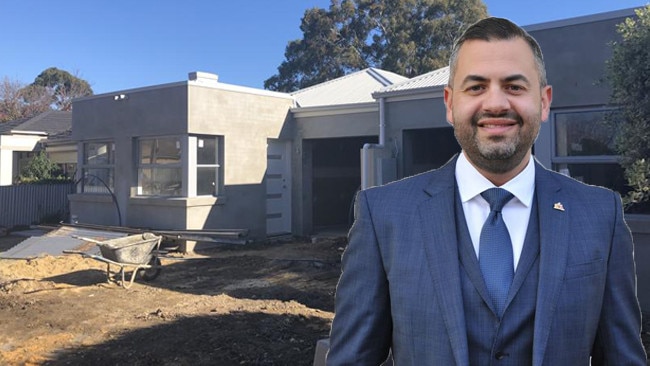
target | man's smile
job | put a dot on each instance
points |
(497, 126)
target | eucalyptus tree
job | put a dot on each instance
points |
(408, 37)
(62, 86)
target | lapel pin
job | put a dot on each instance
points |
(558, 206)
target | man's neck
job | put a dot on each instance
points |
(499, 179)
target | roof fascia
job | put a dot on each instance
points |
(23, 132)
(331, 110)
(427, 92)
(220, 86)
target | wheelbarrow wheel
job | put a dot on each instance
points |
(150, 274)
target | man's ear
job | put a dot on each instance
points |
(448, 105)
(547, 98)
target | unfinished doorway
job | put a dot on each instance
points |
(336, 177)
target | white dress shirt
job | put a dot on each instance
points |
(516, 213)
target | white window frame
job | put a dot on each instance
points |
(155, 167)
(91, 181)
(194, 166)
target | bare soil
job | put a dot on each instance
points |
(259, 304)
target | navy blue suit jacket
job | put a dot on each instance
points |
(400, 285)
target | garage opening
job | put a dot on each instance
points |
(428, 148)
(336, 177)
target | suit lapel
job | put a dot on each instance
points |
(441, 247)
(554, 231)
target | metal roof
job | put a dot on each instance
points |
(433, 78)
(356, 87)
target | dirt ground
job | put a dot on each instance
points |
(257, 304)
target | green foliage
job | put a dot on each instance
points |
(41, 169)
(63, 87)
(628, 72)
(408, 37)
(637, 176)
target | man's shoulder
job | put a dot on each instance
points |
(415, 184)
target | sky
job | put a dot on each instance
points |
(123, 44)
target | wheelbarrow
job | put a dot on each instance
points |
(139, 252)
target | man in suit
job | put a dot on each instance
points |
(423, 276)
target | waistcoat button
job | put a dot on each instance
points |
(500, 355)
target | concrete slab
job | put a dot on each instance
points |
(43, 245)
(56, 241)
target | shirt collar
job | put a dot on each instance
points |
(471, 183)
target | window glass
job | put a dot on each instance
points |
(206, 150)
(160, 181)
(160, 151)
(208, 167)
(160, 167)
(98, 153)
(206, 181)
(608, 175)
(583, 134)
(584, 148)
(98, 180)
(98, 167)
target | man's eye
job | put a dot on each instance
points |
(475, 88)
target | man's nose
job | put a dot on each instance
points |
(496, 101)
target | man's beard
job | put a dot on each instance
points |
(503, 154)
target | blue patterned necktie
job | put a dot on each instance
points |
(495, 249)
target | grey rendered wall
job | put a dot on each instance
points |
(337, 125)
(247, 121)
(155, 111)
(412, 114)
(152, 111)
(575, 57)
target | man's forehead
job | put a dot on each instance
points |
(480, 55)
(516, 44)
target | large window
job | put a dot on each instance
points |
(98, 167)
(584, 148)
(160, 166)
(179, 166)
(208, 165)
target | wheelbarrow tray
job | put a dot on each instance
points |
(133, 249)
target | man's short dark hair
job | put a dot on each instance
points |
(499, 29)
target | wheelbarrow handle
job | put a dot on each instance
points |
(87, 255)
